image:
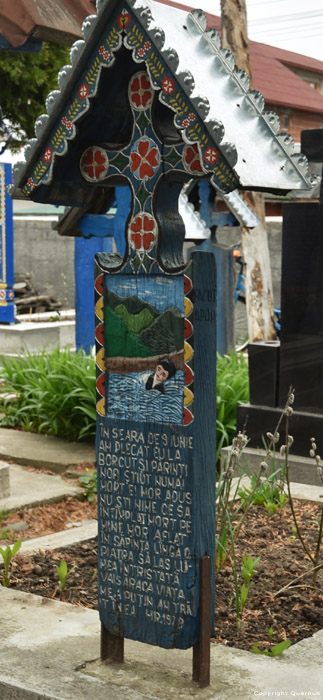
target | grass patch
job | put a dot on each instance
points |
(55, 393)
(232, 389)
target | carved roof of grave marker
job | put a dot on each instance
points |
(230, 116)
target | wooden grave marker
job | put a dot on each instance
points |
(151, 102)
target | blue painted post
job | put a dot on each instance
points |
(225, 273)
(98, 232)
(7, 307)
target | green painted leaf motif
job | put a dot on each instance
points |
(135, 263)
(172, 157)
(142, 122)
(142, 195)
(147, 262)
(120, 162)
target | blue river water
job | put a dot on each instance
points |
(128, 398)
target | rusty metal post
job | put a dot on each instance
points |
(201, 650)
(112, 647)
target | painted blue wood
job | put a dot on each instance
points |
(225, 295)
(85, 249)
(84, 252)
(224, 269)
(156, 487)
(207, 210)
(98, 225)
(7, 308)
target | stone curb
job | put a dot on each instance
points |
(50, 651)
(43, 451)
(64, 538)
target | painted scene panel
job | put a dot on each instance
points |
(144, 347)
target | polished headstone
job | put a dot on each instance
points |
(301, 353)
(258, 420)
(263, 358)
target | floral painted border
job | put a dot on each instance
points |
(124, 28)
(99, 342)
(188, 412)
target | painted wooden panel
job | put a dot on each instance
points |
(7, 309)
(156, 450)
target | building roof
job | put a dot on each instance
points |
(273, 74)
(59, 21)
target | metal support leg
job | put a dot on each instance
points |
(201, 650)
(112, 647)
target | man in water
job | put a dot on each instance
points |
(164, 370)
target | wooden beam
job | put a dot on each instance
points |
(201, 650)
(112, 647)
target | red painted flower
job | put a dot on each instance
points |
(185, 123)
(191, 116)
(168, 86)
(191, 158)
(104, 53)
(67, 123)
(143, 49)
(94, 164)
(31, 183)
(140, 91)
(145, 158)
(211, 155)
(143, 232)
(124, 19)
(83, 91)
(48, 154)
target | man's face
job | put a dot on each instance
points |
(161, 374)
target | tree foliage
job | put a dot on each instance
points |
(25, 81)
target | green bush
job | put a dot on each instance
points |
(232, 389)
(55, 393)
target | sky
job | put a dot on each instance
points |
(293, 25)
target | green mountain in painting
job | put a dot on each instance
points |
(132, 303)
(165, 334)
(120, 342)
(137, 329)
(134, 322)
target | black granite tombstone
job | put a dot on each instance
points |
(298, 360)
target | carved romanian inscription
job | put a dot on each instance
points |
(146, 568)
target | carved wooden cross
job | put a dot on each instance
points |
(155, 167)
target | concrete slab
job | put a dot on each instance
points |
(304, 492)
(4, 480)
(50, 650)
(64, 538)
(33, 488)
(34, 336)
(43, 451)
(302, 469)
